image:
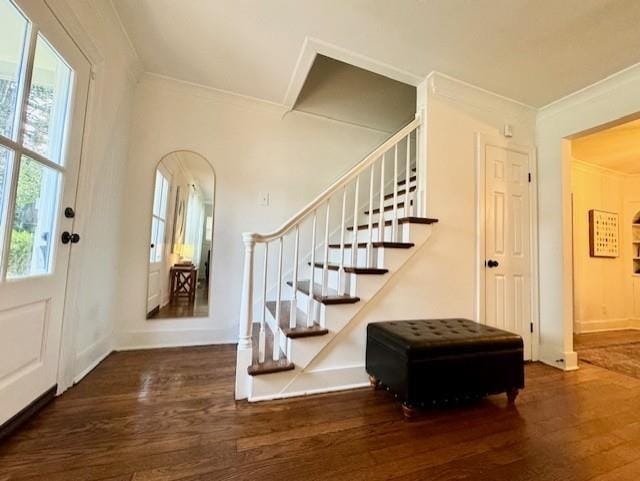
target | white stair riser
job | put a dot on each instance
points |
(360, 260)
(363, 235)
(388, 215)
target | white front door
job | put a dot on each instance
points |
(507, 256)
(44, 81)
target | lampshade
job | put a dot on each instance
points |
(187, 251)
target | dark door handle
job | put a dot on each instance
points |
(491, 263)
(69, 237)
(69, 213)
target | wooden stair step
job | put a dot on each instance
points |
(331, 298)
(400, 192)
(401, 220)
(301, 329)
(411, 179)
(387, 208)
(352, 270)
(269, 366)
(376, 245)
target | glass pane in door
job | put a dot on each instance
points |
(5, 173)
(13, 28)
(31, 246)
(159, 241)
(48, 103)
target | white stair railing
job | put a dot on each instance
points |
(273, 270)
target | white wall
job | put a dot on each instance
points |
(252, 147)
(603, 296)
(89, 313)
(606, 101)
(440, 280)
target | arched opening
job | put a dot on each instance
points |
(181, 237)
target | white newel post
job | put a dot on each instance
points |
(421, 149)
(244, 355)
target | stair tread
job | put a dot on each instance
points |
(332, 296)
(301, 329)
(400, 192)
(376, 245)
(387, 208)
(352, 270)
(269, 365)
(411, 179)
(401, 220)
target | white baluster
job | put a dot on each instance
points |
(354, 242)
(342, 233)
(246, 306)
(381, 213)
(408, 206)
(276, 332)
(262, 341)
(394, 222)
(370, 236)
(294, 297)
(310, 303)
(325, 267)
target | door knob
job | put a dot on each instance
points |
(491, 263)
(69, 237)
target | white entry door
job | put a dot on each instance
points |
(157, 247)
(507, 241)
(44, 81)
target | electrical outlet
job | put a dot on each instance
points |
(263, 199)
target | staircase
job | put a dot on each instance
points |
(307, 281)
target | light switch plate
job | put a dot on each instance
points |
(263, 199)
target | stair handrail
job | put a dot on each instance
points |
(347, 177)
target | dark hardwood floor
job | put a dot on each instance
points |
(183, 308)
(170, 415)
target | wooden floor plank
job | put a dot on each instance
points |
(170, 415)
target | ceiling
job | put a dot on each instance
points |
(199, 170)
(340, 91)
(616, 148)
(534, 51)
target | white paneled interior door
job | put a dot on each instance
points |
(44, 81)
(507, 263)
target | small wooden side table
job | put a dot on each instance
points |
(182, 281)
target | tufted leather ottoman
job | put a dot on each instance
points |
(435, 360)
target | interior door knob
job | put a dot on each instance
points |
(67, 237)
(491, 263)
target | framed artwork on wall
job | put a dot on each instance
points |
(603, 234)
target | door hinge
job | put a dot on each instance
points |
(529, 177)
(531, 327)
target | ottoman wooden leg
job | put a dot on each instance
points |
(512, 394)
(375, 384)
(408, 411)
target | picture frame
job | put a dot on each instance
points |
(604, 234)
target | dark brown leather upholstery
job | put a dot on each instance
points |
(426, 361)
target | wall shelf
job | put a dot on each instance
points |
(635, 244)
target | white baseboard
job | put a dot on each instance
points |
(319, 382)
(600, 325)
(554, 357)
(93, 355)
(130, 340)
